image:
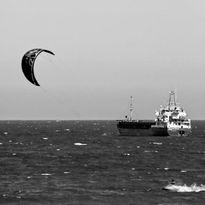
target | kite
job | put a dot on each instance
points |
(28, 61)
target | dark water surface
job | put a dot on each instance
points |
(87, 162)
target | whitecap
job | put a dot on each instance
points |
(104, 134)
(157, 143)
(45, 174)
(1, 143)
(79, 144)
(185, 188)
(68, 130)
(138, 147)
(6, 133)
(147, 151)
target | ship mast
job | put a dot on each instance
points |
(172, 100)
(131, 107)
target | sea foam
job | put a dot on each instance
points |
(79, 144)
(185, 188)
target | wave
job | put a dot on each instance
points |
(185, 188)
(79, 144)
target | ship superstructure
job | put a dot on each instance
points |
(172, 119)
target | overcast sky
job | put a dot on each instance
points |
(105, 51)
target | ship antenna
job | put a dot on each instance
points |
(131, 107)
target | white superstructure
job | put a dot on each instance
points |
(174, 117)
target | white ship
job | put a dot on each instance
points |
(171, 120)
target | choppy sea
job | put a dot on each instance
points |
(87, 162)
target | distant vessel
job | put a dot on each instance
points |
(130, 127)
(171, 120)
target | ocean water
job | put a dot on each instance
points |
(87, 162)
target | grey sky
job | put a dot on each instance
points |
(105, 51)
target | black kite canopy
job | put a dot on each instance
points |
(28, 61)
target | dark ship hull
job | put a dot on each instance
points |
(135, 128)
(159, 130)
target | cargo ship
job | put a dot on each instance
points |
(171, 120)
(130, 127)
